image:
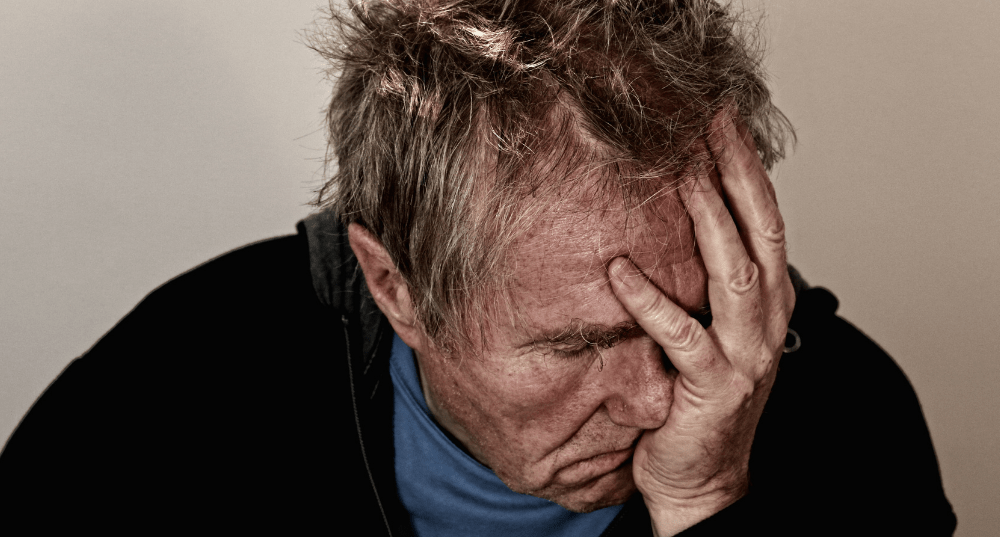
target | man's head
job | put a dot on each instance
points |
(492, 158)
(450, 117)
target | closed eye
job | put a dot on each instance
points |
(575, 352)
(586, 342)
(578, 338)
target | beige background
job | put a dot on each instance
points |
(138, 139)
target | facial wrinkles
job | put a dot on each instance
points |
(565, 281)
(533, 416)
(562, 267)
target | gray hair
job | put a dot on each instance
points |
(449, 115)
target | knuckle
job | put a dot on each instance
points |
(683, 333)
(745, 277)
(769, 235)
(766, 363)
(773, 230)
(742, 389)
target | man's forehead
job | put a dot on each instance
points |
(575, 237)
(561, 266)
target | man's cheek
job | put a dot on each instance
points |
(536, 394)
(503, 399)
(518, 373)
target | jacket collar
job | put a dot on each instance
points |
(340, 284)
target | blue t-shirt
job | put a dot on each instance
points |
(449, 493)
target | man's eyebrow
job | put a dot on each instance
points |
(579, 333)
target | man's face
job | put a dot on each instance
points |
(570, 383)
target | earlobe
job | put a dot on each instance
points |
(384, 281)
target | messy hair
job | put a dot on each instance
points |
(449, 116)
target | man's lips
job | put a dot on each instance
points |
(593, 467)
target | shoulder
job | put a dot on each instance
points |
(249, 297)
(838, 374)
(255, 276)
(843, 437)
(220, 393)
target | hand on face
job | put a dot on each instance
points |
(696, 463)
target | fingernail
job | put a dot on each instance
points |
(625, 272)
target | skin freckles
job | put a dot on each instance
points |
(557, 404)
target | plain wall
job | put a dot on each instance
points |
(892, 200)
(138, 139)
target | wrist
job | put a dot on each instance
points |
(672, 515)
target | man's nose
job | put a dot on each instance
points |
(639, 388)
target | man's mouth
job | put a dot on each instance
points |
(594, 467)
(599, 465)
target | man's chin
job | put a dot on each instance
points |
(613, 488)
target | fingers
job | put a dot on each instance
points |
(753, 205)
(733, 277)
(748, 284)
(682, 337)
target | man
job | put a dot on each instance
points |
(546, 295)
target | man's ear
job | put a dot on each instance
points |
(384, 281)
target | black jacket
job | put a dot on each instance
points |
(253, 392)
